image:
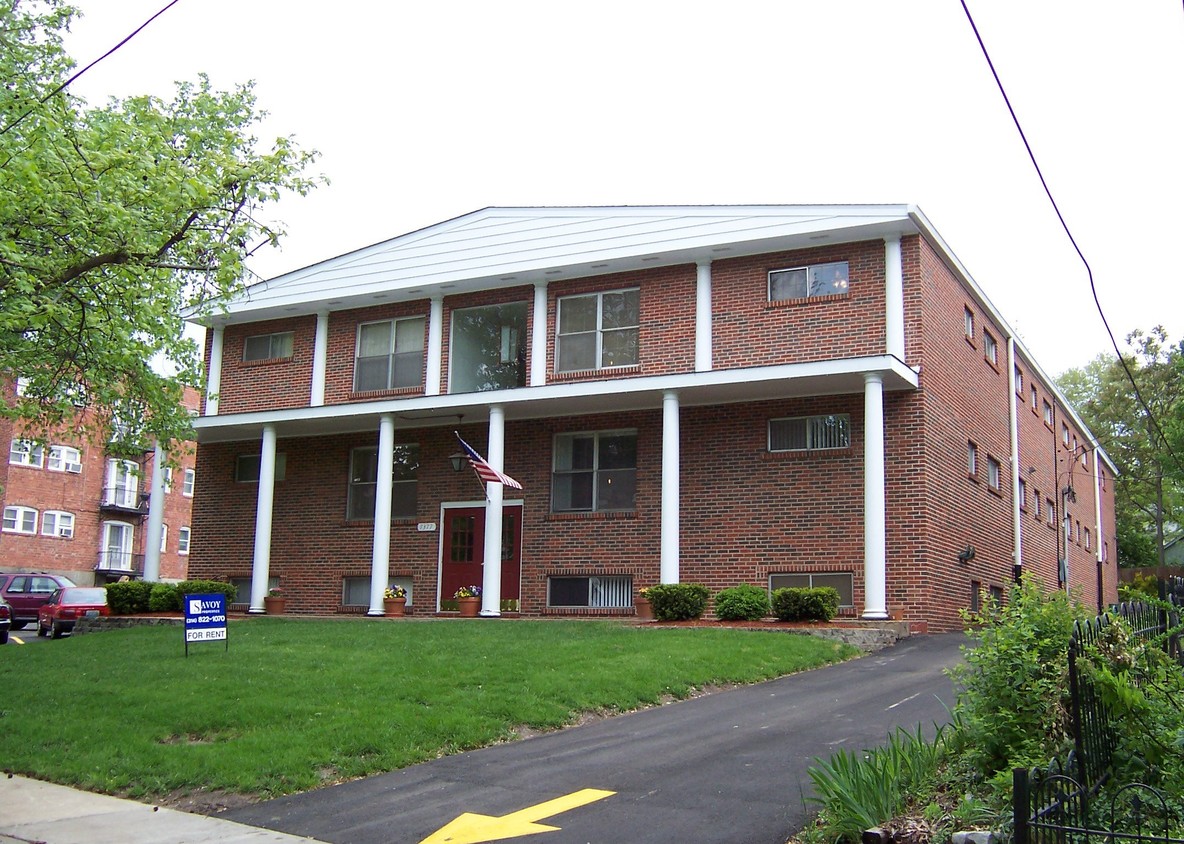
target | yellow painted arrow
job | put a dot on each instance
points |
(471, 828)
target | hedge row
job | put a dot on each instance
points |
(685, 601)
(140, 596)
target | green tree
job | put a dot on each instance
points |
(1150, 484)
(113, 220)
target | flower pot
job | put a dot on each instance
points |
(643, 609)
(275, 605)
(468, 607)
(394, 607)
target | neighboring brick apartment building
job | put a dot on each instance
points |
(777, 395)
(72, 508)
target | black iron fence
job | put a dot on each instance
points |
(1058, 804)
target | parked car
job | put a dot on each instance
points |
(66, 606)
(5, 621)
(25, 592)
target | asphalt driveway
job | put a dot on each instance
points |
(727, 767)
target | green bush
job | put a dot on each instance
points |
(206, 587)
(164, 598)
(742, 603)
(129, 598)
(1141, 588)
(801, 604)
(678, 601)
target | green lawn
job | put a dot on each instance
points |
(294, 704)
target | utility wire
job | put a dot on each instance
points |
(1048, 192)
(136, 32)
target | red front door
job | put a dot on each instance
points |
(463, 554)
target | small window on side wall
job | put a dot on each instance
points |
(808, 282)
(592, 592)
(268, 346)
(246, 468)
(990, 349)
(968, 323)
(810, 433)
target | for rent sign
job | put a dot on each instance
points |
(205, 619)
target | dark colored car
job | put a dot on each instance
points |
(5, 621)
(66, 606)
(25, 592)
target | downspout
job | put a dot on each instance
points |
(1017, 567)
(1098, 525)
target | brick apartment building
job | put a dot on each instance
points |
(776, 395)
(73, 508)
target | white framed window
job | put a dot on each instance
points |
(598, 330)
(810, 433)
(594, 472)
(118, 542)
(1023, 494)
(64, 458)
(1034, 398)
(808, 282)
(123, 484)
(841, 582)
(363, 483)
(57, 523)
(183, 540)
(591, 591)
(1047, 413)
(164, 537)
(26, 453)
(1036, 504)
(268, 346)
(971, 459)
(246, 467)
(1064, 435)
(18, 519)
(167, 471)
(968, 323)
(1088, 540)
(990, 348)
(994, 473)
(389, 355)
(1019, 381)
(188, 482)
(1050, 510)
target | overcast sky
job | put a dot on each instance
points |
(426, 111)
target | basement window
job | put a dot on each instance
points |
(592, 591)
(841, 582)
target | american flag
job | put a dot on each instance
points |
(484, 471)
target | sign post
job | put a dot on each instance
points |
(205, 619)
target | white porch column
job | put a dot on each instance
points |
(155, 519)
(431, 386)
(538, 336)
(875, 542)
(703, 316)
(320, 356)
(670, 499)
(380, 557)
(491, 583)
(214, 371)
(893, 298)
(261, 564)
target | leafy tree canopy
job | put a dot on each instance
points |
(1150, 492)
(113, 220)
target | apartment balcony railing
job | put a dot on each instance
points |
(120, 562)
(126, 501)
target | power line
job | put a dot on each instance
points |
(61, 87)
(1064, 225)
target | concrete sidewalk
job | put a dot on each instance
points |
(35, 811)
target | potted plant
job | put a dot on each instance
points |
(641, 605)
(394, 602)
(468, 599)
(275, 602)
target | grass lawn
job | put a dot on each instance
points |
(295, 704)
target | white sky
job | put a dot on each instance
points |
(425, 111)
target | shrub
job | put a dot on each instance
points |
(129, 597)
(205, 587)
(1141, 588)
(678, 601)
(164, 598)
(800, 604)
(742, 603)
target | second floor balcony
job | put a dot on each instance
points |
(124, 500)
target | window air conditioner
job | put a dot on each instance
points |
(74, 468)
(66, 532)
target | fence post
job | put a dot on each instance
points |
(1020, 808)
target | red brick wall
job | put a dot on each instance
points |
(343, 344)
(266, 384)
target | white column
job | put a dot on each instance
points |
(155, 519)
(893, 298)
(261, 564)
(435, 346)
(214, 371)
(538, 336)
(320, 357)
(1017, 550)
(875, 542)
(703, 316)
(491, 582)
(380, 557)
(670, 500)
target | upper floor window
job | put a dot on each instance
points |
(488, 348)
(247, 467)
(1034, 397)
(187, 483)
(1065, 435)
(1047, 413)
(268, 346)
(598, 330)
(594, 472)
(389, 355)
(363, 482)
(123, 484)
(57, 523)
(810, 433)
(64, 458)
(19, 519)
(1023, 495)
(990, 348)
(183, 540)
(808, 282)
(994, 474)
(968, 323)
(1019, 381)
(26, 453)
(971, 459)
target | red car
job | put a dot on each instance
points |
(67, 605)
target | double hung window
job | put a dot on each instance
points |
(63, 458)
(594, 472)
(26, 453)
(57, 523)
(598, 331)
(19, 519)
(389, 355)
(363, 482)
